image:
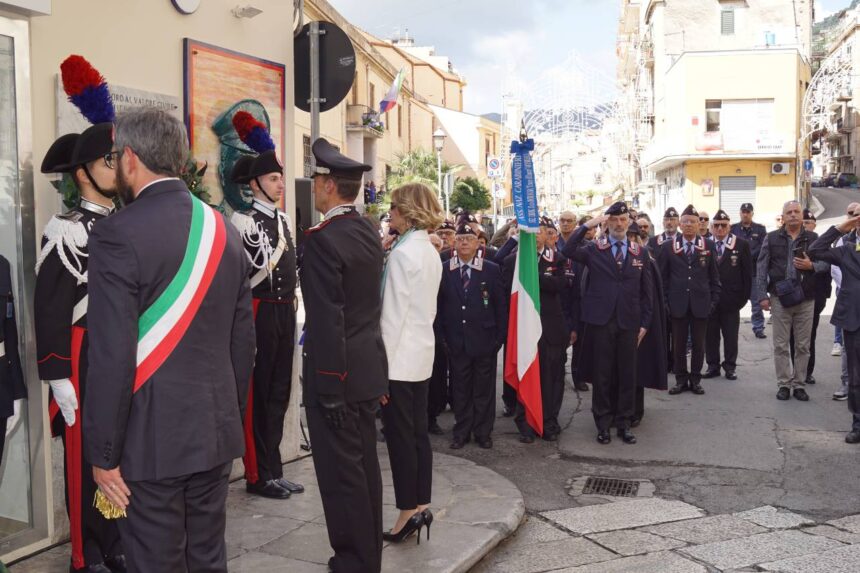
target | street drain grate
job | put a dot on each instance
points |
(611, 486)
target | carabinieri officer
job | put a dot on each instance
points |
(265, 231)
(345, 367)
(62, 337)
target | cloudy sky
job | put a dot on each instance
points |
(490, 39)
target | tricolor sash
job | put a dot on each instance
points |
(164, 323)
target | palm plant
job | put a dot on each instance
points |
(418, 166)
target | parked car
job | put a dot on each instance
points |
(846, 180)
(817, 181)
(829, 180)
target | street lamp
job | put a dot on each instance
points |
(439, 142)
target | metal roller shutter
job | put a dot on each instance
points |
(734, 192)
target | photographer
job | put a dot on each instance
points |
(787, 273)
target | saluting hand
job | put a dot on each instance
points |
(599, 220)
(112, 485)
(852, 220)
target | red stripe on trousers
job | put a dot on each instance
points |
(252, 471)
(74, 483)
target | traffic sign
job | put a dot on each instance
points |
(807, 165)
(494, 167)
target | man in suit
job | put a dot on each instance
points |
(616, 306)
(171, 353)
(734, 263)
(265, 231)
(555, 335)
(62, 338)
(345, 367)
(472, 323)
(753, 233)
(784, 261)
(692, 285)
(823, 291)
(846, 313)
(704, 225)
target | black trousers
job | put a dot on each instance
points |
(350, 483)
(614, 375)
(405, 418)
(3, 422)
(551, 358)
(851, 348)
(437, 396)
(670, 344)
(474, 383)
(816, 317)
(275, 324)
(725, 324)
(177, 524)
(509, 395)
(574, 359)
(639, 408)
(681, 329)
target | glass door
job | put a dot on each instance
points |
(23, 507)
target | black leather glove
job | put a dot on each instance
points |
(333, 409)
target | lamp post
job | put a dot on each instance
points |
(439, 142)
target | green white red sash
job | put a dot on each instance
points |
(163, 324)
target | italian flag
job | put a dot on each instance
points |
(522, 368)
(162, 325)
(390, 100)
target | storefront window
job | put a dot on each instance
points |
(15, 492)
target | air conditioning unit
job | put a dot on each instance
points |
(780, 168)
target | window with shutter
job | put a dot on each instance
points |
(306, 155)
(727, 22)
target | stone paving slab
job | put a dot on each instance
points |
(622, 515)
(475, 509)
(850, 523)
(761, 548)
(661, 562)
(707, 529)
(840, 560)
(634, 542)
(547, 556)
(773, 518)
(833, 533)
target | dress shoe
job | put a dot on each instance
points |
(696, 388)
(800, 394)
(604, 437)
(116, 563)
(678, 388)
(433, 428)
(635, 422)
(626, 436)
(730, 375)
(760, 334)
(810, 379)
(290, 486)
(526, 439)
(269, 489)
(507, 412)
(457, 444)
(580, 386)
(550, 437)
(783, 394)
(853, 437)
(711, 373)
(484, 443)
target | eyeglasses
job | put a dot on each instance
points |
(721, 224)
(109, 160)
(704, 219)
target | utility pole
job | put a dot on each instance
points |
(315, 100)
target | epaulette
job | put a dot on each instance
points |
(66, 232)
(318, 227)
(244, 223)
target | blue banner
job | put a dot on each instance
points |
(523, 188)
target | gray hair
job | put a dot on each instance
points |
(787, 203)
(156, 137)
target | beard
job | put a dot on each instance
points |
(123, 188)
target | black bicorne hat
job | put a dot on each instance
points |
(265, 163)
(239, 173)
(59, 155)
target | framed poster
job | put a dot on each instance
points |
(216, 79)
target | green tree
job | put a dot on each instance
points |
(470, 194)
(417, 166)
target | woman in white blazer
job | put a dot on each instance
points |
(410, 288)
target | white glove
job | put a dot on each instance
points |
(64, 394)
(13, 420)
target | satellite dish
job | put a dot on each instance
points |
(337, 66)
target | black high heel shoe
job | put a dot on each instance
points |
(428, 520)
(412, 525)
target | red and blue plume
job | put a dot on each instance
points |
(87, 90)
(253, 132)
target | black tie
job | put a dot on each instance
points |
(464, 274)
(619, 255)
(720, 249)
